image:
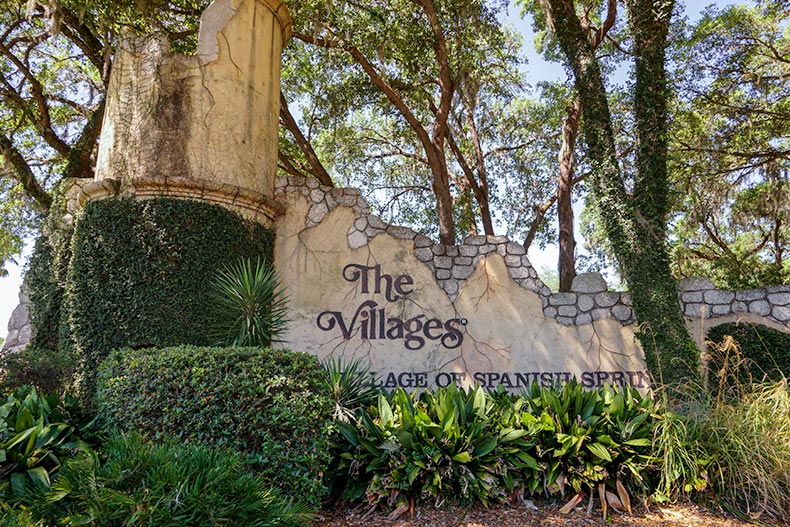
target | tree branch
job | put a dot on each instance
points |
(21, 172)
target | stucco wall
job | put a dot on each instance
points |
(354, 281)
(201, 126)
(426, 314)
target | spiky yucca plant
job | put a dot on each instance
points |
(350, 387)
(250, 307)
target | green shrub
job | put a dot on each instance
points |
(48, 370)
(268, 404)
(593, 436)
(759, 352)
(140, 272)
(35, 431)
(476, 446)
(164, 484)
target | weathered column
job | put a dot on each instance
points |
(201, 127)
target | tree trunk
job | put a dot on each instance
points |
(636, 227)
(570, 129)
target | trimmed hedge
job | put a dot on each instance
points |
(269, 404)
(766, 352)
(140, 271)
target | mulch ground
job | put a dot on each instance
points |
(529, 515)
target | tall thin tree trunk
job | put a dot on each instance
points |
(635, 225)
(570, 129)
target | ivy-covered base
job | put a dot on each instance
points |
(140, 270)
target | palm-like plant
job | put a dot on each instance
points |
(350, 387)
(250, 307)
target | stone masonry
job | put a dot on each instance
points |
(589, 298)
(19, 329)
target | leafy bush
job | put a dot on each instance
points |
(249, 305)
(744, 353)
(268, 404)
(477, 446)
(140, 272)
(164, 485)
(590, 437)
(35, 432)
(43, 368)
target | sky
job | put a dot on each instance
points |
(538, 69)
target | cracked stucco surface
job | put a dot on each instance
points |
(502, 302)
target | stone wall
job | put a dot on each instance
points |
(424, 314)
(516, 324)
(588, 300)
(19, 328)
(512, 323)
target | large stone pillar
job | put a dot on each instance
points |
(200, 127)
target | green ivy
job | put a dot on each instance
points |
(140, 271)
(269, 404)
(45, 277)
(761, 352)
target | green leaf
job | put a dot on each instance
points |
(642, 442)
(599, 451)
(485, 447)
(413, 473)
(462, 457)
(40, 477)
(24, 420)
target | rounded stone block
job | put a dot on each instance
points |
(567, 311)
(718, 297)
(562, 299)
(519, 272)
(422, 241)
(622, 313)
(585, 303)
(696, 283)
(450, 287)
(475, 239)
(750, 295)
(401, 232)
(779, 299)
(781, 313)
(357, 239)
(724, 309)
(423, 254)
(589, 283)
(691, 297)
(468, 250)
(443, 262)
(760, 307)
(607, 299)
